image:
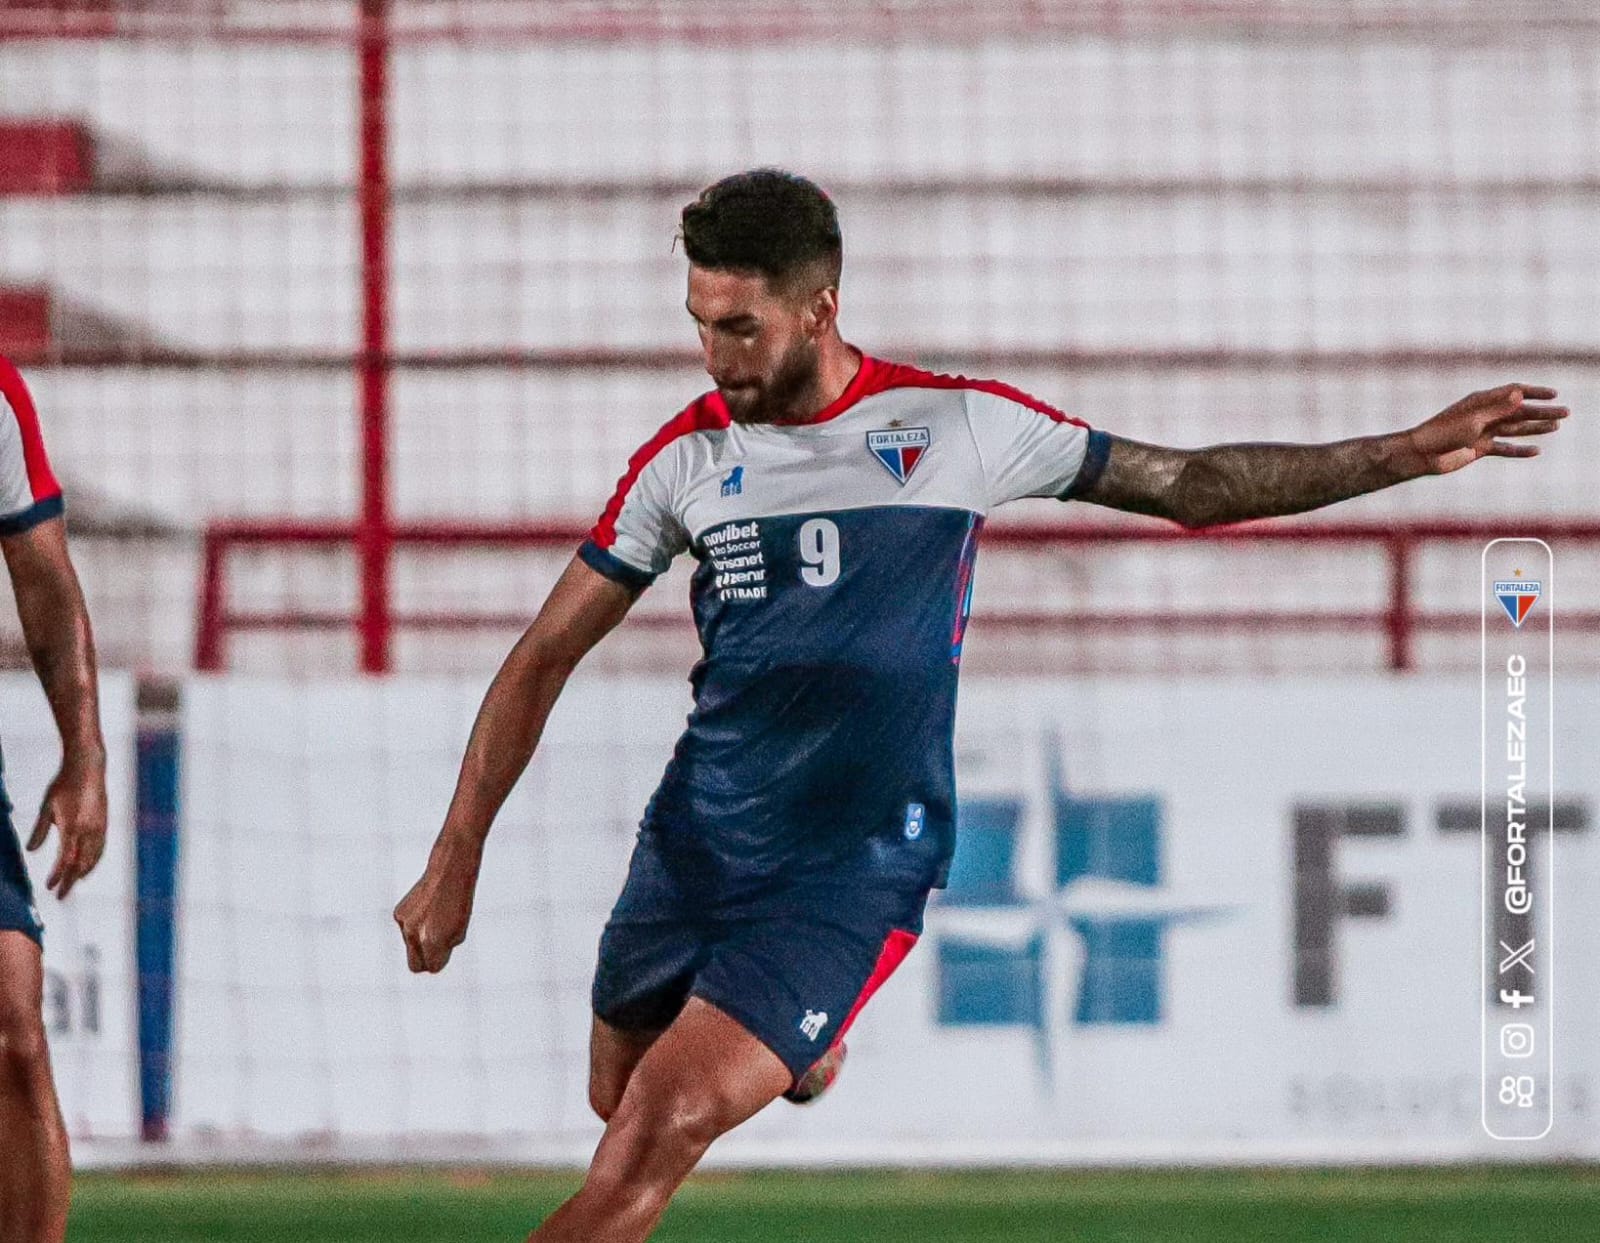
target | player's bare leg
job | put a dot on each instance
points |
(703, 1077)
(614, 1052)
(35, 1173)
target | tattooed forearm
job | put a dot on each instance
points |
(1230, 483)
(1235, 482)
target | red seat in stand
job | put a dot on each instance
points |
(45, 157)
(24, 323)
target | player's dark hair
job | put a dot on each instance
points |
(767, 221)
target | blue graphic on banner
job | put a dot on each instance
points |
(1099, 883)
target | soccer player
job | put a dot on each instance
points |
(35, 1173)
(833, 502)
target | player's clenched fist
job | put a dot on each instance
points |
(1480, 425)
(433, 917)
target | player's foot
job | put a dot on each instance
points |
(819, 1078)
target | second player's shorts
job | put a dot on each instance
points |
(793, 966)
(17, 911)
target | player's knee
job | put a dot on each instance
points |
(681, 1117)
(24, 1055)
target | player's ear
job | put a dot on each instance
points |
(823, 310)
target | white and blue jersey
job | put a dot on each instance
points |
(832, 590)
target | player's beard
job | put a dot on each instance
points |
(783, 398)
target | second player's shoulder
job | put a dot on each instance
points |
(15, 400)
(29, 492)
(19, 417)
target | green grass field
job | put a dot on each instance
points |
(1344, 1206)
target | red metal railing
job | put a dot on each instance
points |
(372, 29)
(1400, 620)
(725, 21)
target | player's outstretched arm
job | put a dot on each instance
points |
(580, 610)
(55, 626)
(1235, 482)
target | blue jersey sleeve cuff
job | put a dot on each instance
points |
(612, 567)
(1094, 462)
(27, 519)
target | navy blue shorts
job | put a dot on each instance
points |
(793, 966)
(17, 911)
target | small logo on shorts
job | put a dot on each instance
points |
(916, 814)
(811, 1026)
(733, 484)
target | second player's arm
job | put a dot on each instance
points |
(55, 626)
(1235, 482)
(581, 609)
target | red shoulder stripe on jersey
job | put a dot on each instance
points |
(707, 412)
(41, 479)
(898, 375)
(869, 378)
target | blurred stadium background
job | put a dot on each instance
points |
(344, 316)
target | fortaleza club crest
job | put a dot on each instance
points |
(900, 449)
(1517, 597)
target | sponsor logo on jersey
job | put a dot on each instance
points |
(900, 449)
(1517, 596)
(738, 564)
(733, 484)
(811, 1026)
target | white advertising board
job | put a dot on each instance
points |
(1190, 921)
